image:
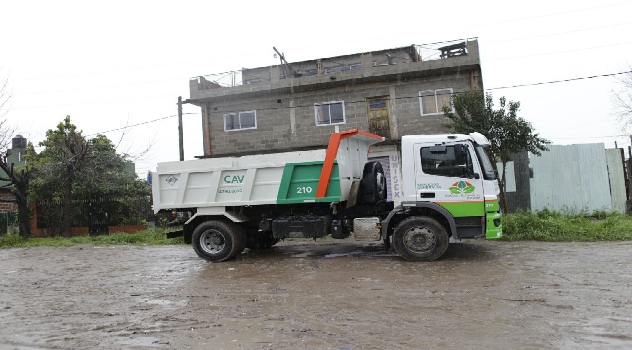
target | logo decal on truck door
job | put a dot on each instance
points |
(462, 187)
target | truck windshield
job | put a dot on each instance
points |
(486, 164)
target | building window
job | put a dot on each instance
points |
(240, 121)
(330, 113)
(433, 101)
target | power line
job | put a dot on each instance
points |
(164, 80)
(558, 33)
(544, 15)
(228, 108)
(137, 124)
(589, 137)
(262, 53)
(397, 98)
(93, 102)
(100, 87)
(135, 68)
(489, 89)
(561, 81)
(557, 52)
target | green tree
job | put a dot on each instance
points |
(74, 167)
(62, 160)
(507, 133)
(107, 173)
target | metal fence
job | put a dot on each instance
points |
(7, 220)
(99, 214)
(576, 178)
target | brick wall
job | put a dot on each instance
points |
(4, 206)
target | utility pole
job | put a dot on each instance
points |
(180, 132)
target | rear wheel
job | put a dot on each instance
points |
(420, 239)
(217, 240)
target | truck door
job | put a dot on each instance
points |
(449, 175)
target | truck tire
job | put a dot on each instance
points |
(373, 183)
(217, 240)
(420, 239)
(240, 240)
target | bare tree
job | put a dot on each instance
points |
(5, 96)
(17, 181)
(622, 100)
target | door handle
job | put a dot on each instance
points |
(427, 194)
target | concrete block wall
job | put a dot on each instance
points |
(272, 130)
(408, 109)
(287, 120)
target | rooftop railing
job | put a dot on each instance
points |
(413, 53)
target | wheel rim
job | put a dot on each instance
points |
(420, 239)
(212, 242)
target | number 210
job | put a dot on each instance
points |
(302, 190)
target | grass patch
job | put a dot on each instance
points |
(146, 237)
(552, 226)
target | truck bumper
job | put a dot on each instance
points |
(494, 227)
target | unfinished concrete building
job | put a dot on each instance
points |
(298, 105)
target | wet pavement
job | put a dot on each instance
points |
(318, 295)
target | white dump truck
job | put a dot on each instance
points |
(448, 183)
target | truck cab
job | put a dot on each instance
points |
(452, 173)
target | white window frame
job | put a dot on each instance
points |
(434, 93)
(254, 112)
(328, 104)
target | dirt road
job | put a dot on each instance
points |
(318, 295)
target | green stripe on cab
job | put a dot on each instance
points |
(464, 209)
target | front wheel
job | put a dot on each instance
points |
(420, 239)
(217, 240)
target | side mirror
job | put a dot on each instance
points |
(460, 154)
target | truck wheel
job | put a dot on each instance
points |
(420, 239)
(217, 241)
(240, 240)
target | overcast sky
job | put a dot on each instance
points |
(117, 63)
